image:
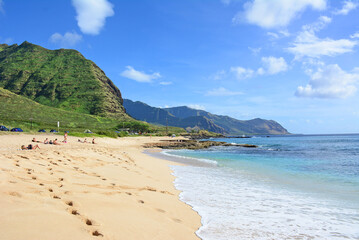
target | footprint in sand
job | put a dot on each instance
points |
(15, 194)
(141, 201)
(74, 212)
(97, 234)
(160, 210)
(88, 222)
(177, 220)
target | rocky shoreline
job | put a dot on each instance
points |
(192, 144)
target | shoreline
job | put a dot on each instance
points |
(110, 190)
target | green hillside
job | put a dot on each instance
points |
(17, 111)
(59, 78)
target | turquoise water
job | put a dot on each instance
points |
(290, 187)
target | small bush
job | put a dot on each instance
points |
(111, 134)
(122, 134)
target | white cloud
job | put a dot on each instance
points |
(242, 73)
(255, 51)
(92, 14)
(165, 83)
(316, 47)
(67, 40)
(138, 76)
(285, 33)
(329, 82)
(196, 106)
(307, 44)
(275, 13)
(355, 35)
(347, 7)
(221, 91)
(274, 65)
(273, 35)
(219, 75)
(279, 34)
(271, 66)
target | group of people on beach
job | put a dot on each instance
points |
(85, 141)
(53, 142)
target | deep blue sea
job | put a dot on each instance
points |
(290, 187)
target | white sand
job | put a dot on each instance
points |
(73, 190)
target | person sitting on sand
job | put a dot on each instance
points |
(93, 141)
(85, 141)
(55, 142)
(34, 140)
(30, 147)
(46, 141)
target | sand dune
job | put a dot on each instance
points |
(110, 190)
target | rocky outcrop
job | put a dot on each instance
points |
(193, 144)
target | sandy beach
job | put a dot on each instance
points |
(110, 190)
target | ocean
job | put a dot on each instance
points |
(290, 187)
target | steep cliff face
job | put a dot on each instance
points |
(59, 78)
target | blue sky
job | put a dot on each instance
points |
(293, 61)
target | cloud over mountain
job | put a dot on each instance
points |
(92, 14)
(139, 76)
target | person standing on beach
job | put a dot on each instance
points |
(65, 137)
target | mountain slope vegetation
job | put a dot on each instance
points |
(59, 78)
(19, 111)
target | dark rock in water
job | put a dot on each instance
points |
(193, 144)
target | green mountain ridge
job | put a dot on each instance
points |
(59, 78)
(140, 110)
(187, 117)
